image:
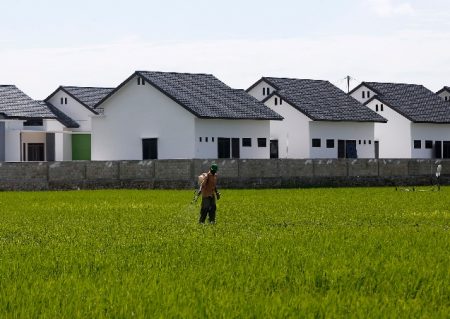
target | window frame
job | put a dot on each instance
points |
(330, 143)
(262, 142)
(417, 144)
(246, 142)
(316, 142)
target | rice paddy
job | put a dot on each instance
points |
(304, 253)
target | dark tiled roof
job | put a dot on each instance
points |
(16, 104)
(60, 116)
(88, 96)
(322, 101)
(445, 88)
(207, 97)
(415, 102)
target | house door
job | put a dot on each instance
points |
(149, 148)
(347, 149)
(235, 151)
(341, 149)
(350, 149)
(446, 149)
(273, 148)
(223, 147)
(438, 149)
(377, 149)
(36, 152)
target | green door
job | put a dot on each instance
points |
(81, 147)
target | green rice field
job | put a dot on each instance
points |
(303, 253)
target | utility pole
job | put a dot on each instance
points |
(348, 78)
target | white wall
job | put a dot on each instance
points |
(67, 147)
(12, 142)
(74, 110)
(257, 91)
(140, 111)
(395, 135)
(231, 129)
(431, 132)
(362, 132)
(358, 94)
(292, 133)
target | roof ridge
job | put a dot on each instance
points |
(86, 87)
(392, 83)
(172, 72)
(297, 79)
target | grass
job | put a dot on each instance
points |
(315, 253)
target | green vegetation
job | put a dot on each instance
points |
(363, 252)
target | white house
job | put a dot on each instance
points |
(418, 120)
(78, 104)
(161, 115)
(30, 130)
(444, 93)
(320, 120)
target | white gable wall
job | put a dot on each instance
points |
(209, 128)
(74, 110)
(258, 91)
(445, 95)
(135, 112)
(362, 132)
(358, 94)
(292, 133)
(395, 135)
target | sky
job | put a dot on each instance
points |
(47, 43)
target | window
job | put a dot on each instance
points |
(276, 101)
(62, 100)
(212, 139)
(363, 94)
(65, 100)
(34, 122)
(264, 91)
(376, 108)
(359, 142)
(370, 142)
(200, 139)
(140, 81)
(316, 142)
(206, 139)
(428, 144)
(281, 101)
(246, 142)
(446, 98)
(381, 107)
(262, 142)
(364, 142)
(149, 148)
(268, 91)
(368, 94)
(417, 144)
(330, 143)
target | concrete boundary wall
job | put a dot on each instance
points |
(233, 173)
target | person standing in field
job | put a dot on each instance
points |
(209, 192)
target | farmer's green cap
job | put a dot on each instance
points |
(214, 167)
